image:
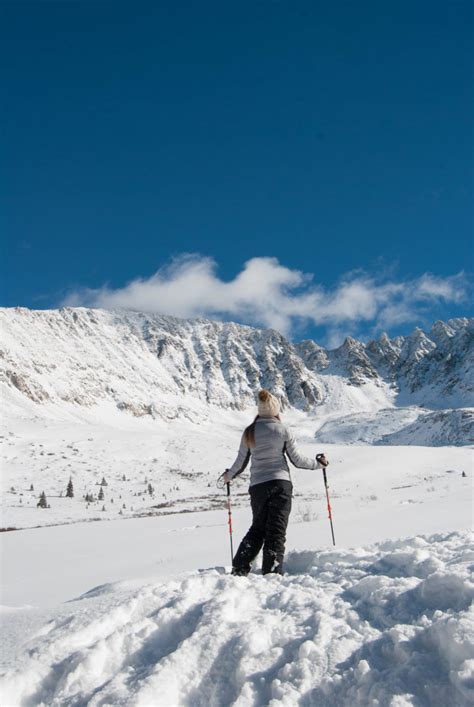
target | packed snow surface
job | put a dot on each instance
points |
(388, 624)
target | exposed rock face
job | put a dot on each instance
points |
(145, 364)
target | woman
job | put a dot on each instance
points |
(267, 441)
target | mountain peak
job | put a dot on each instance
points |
(149, 363)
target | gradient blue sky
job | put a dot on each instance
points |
(335, 138)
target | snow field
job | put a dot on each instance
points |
(389, 624)
(182, 459)
(179, 459)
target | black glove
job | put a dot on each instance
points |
(322, 461)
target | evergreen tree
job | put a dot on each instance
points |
(70, 489)
(32, 488)
(101, 494)
(150, 489)
(42, 503)
(104, 482)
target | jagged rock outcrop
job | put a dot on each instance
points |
(151, 365)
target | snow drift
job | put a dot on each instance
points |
(389, 624)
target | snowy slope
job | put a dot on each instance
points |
(393, 426)
(439, 428)
(388, 624)
(145, 364)
(156, 366)
(367, 427)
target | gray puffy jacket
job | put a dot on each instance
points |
(272, 442)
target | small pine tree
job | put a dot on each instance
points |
(150, 489)
(70, 489)
(101, 494)
(103, 482)
(124, 506)
(103, 508)
(124, 478)
(32, 488)
(42, 503)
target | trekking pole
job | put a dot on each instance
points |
(220, 485)
(229, 512)
(329, 504)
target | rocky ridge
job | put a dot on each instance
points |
(153, 365)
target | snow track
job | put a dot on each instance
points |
(389, 624)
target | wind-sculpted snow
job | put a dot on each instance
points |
(161, 367)
(389, 624)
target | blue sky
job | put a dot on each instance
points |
(301, 165)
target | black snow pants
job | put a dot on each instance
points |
(271, 506)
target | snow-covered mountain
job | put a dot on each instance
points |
(163, 367)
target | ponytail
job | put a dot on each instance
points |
(249, 434)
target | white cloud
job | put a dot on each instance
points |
(267, 293)
(449, 289)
